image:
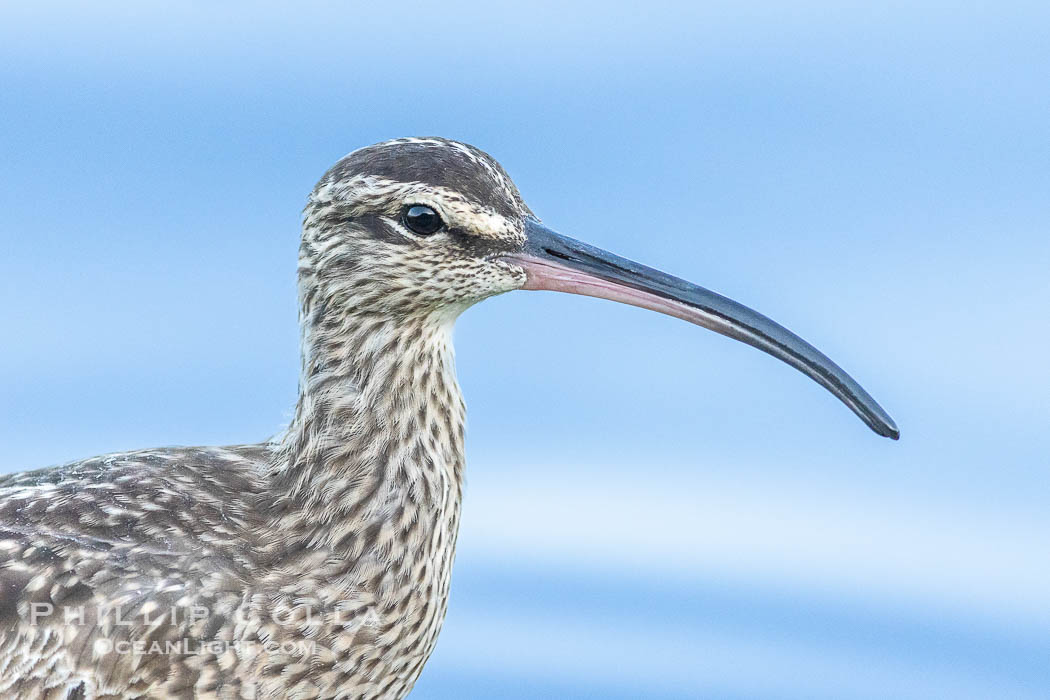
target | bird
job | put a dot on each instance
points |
(317, 563)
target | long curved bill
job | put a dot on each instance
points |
(559, 263)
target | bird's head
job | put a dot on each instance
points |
(414, 227)
(425, 227)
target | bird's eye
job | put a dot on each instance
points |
(422, 219)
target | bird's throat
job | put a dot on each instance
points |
(374, 454)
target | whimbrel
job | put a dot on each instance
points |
(317, 565)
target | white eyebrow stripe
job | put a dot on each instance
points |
(365, 192)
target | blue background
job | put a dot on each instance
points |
(651, 509)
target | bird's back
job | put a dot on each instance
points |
(114, 571)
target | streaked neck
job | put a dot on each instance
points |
(378, 429)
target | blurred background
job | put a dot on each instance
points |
(651, 510)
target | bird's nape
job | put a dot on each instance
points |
(559, 263)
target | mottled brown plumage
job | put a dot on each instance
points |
(349, 518)
(315, 565)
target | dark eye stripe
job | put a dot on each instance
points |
(422, 220)
(474, 246)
